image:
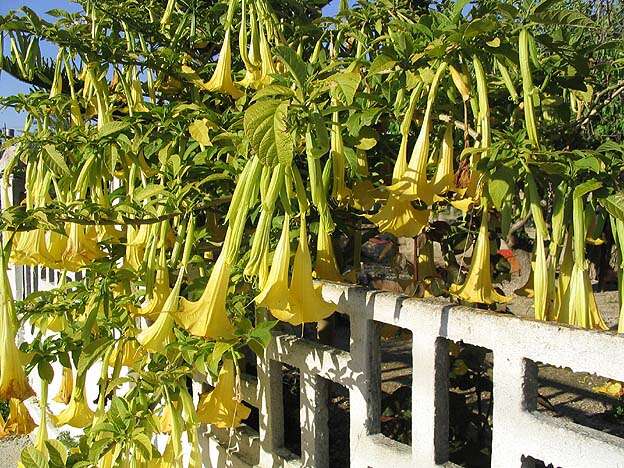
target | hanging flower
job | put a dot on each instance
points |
(274, 294)
(221, 407)
(221, 80)
(13, 380)
(82, 249)
(477, 287)
(444, 180)
(399, 217)
(305, 301)
(77, 413)
(207, 316)
(326, 266)
(20, 422)
(153, 306)
(67, 386)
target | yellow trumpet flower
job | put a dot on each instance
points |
(154, 305)
(207, 316)
(365, 195)
(56, 244)
(221, 407)
(413, 182)
(67, 387)
(82, 248)
(399, 217)
(274, 294)
(305, 301)
(77, 413)
(131, 354)
(19, 422)
(477, 287)
(160, 333)
(444, 180)
(13, 380)
(326, 266)
(579, 303)
(540, 278)
(221, 80)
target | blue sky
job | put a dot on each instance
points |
(9, 86)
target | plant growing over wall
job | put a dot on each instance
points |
(186, 164)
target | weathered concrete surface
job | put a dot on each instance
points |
(10, 450)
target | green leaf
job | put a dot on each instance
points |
(147, 192)
(381, 64)
(546, 5)
(562, 18)
(33, 458)
(293, 63)
(347, 84)
(219, 350)
(586, 187)
(614, 204)
(265, 126)
(57, 453)
(57, 157)
(500, 184)
(44, 368)
(92, 353)
(111, 128)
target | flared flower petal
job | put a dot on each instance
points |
(77, 413)
(274, 294)
(221, 407)
(67, 387)
(477, 287)
(305, 302)
(19, 422)
(221, 80)
(326, 266)
(207, 317)
(399, 217)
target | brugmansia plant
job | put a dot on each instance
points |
(188, 167)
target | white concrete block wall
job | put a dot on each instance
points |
(519, 431)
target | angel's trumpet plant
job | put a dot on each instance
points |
(222, 407)
(305, 301)
(19, 422)
(207, 317)
(13, 380)
(477, 287)
(399, 217)
(578, 306)
(540, 279)
(160, 333)
(82, 249)
(274, 293)
(67, 386)
(413, 183)
(444, 180)
(221, 80)
(326, 266)
(77, 413)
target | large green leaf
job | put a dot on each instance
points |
(293, 63)
(265, 126)
(33, 458)
(346, 84)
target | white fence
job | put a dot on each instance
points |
(519, 431)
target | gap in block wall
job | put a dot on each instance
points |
(585, 399)
(396, 383)
(470, 405)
